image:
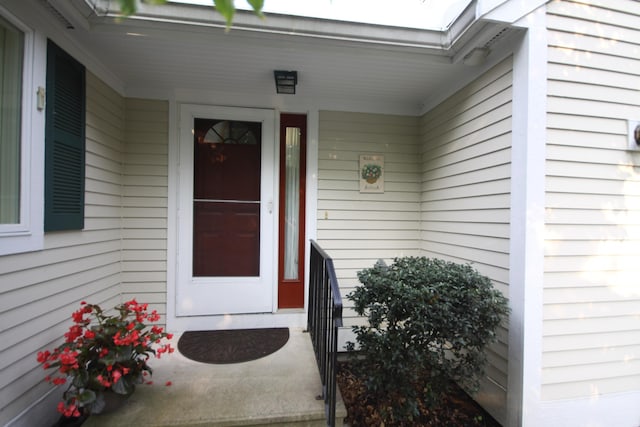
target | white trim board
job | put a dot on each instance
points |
(526, 270)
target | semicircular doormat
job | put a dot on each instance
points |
(231, 346)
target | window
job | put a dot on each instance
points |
(11, 52)
(64, 142)
(291, 234)
(21, 138)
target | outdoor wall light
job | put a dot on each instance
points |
(286, 81)
(634, 135)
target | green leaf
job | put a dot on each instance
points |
(81, 379)
(257, 6)
(86, 397)
(123, 354)
(127, 7)
(227, 9)
(109, 358)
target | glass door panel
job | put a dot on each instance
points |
(291, 254)
(226, 198)
(291, 203)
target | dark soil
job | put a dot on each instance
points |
(456, 409)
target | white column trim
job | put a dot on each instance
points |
(173, 183)
(527, 224)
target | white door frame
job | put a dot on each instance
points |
(202, 296)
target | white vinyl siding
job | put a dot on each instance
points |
(591, 310)
(356, 229)
(41, 289)
(465, 202)
(144, 256)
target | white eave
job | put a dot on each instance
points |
(184, 46)
(437, 41)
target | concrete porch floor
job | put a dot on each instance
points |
(279, 389)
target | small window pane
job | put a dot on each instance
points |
(11, 53)
(292, 204)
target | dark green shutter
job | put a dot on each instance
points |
(64, 142)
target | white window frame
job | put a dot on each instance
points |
(27, 234)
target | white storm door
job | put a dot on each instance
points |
(225, 211)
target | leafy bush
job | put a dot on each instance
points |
(429, 322)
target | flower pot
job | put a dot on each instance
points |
(113, 401)
(120, 342)
(371, 180)
(70, 421)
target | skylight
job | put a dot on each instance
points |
(422, 14)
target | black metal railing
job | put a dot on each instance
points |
(323, 321)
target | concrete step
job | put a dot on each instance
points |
(279, 389)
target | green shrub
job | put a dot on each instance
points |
(429, 322)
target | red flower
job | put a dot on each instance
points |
(68, 359)
(95, 341)
(77, 316)
(104, 381)
(74, 332)
(117, 340)
(168, 383)
(43, 356)
(70, 410)
(154, 316)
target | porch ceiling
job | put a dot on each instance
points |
(169, 48)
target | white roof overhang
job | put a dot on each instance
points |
(180, 47)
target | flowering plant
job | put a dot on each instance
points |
(102, 352)
(371, 172)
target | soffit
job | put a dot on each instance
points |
(187, 47)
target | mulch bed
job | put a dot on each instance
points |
(457, 407)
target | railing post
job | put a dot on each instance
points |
(323, 322)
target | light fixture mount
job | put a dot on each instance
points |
(286, 81)
(633, 135)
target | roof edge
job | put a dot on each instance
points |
(463, 34)
(439, 42)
